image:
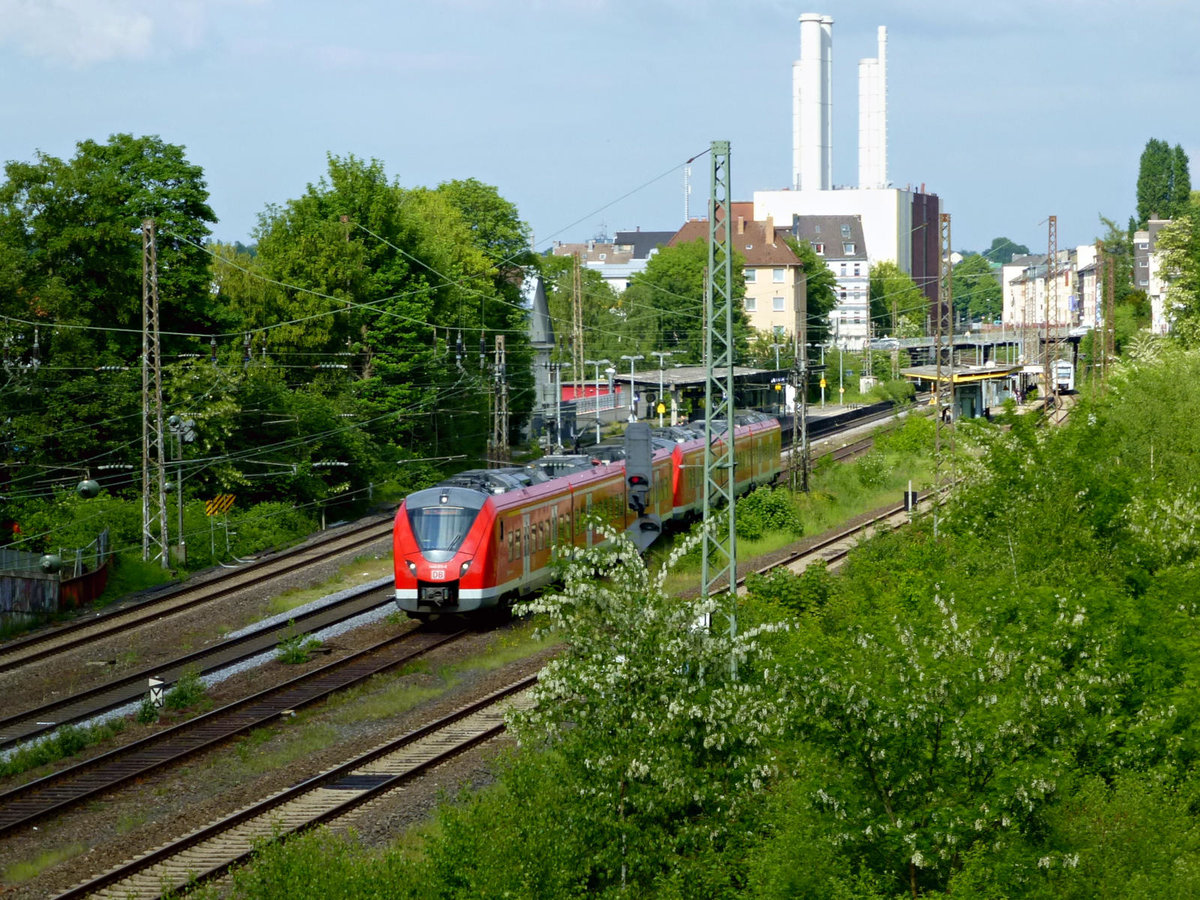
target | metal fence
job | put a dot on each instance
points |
(26, 591)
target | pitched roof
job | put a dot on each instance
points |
(828, 230)
(642, 242)
(756, 241)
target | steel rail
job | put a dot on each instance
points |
(30, 802)
(42, 645)
(26, 725)
(212, 850)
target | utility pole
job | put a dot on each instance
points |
(1110, 325)
(498, 451)
(943, 297)
(597, 363)
(662, 355)
(718, 566)
(577, 331)
(1049, 378)
(1098, 341)
(154, 481)
(798, 462)
(632, 394)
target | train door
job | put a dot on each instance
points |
(588, 517)
(554, 551)
(526, 548)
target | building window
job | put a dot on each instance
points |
(817, 228)
(751, 274)
(848, 248)
(1143, 263)
(751, 304)
(778, 331)
(857, 270)
(777, 276)
(1143, 282)
(843, 295)
(843, 272)
(777, 304)
(845, 231)
(818, 248)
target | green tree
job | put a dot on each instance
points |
(977, 292)
(1179, 243)
(664, 727)
(664, 304)
(1002, 250)
(820, 286)
(606, 333)
(71, 281)
(898, 307)
(1164, 186)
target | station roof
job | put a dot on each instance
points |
(961, 374)
(689, 376)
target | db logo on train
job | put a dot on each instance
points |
(437, 574)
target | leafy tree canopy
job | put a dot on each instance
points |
(820, 286)
(1002, 250)
(898, 307)
(664, 304)
(1163, 185)
(976, 290)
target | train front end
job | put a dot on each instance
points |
(439, 546)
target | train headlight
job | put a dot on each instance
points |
(412, 567)
(462, 570)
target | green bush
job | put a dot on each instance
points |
(768, 511)
(871, 470)
(810, 589)
(296, 648)
(147, 713)
(65, 741)
(897, 391)
(188, 691)
(269, 525)
(915, 437)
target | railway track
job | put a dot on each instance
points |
(212, 850)
(833, 547)
(46, 644)
(85, 705)
(30, 802)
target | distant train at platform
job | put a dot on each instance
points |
(481, 539)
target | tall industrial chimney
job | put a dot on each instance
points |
(872, 118)
(812, 105)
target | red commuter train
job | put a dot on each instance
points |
(484, 538)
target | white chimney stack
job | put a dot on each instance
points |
(872, 118)
(812, 105)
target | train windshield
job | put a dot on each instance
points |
(441, 527)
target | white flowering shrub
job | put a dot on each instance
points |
(931, 734)
(666, 727)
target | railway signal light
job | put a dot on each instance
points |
(639, 479)
(638, 469)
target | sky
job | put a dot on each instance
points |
(583, 113)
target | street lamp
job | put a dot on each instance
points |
(597, 363)
(661, 354)
(632, 405)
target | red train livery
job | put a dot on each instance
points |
(484, 538)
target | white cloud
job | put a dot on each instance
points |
(84, 33)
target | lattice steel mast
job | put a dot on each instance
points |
(498, 449)
(154, 480)
(718, 568)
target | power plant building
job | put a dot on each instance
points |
(899, 225)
